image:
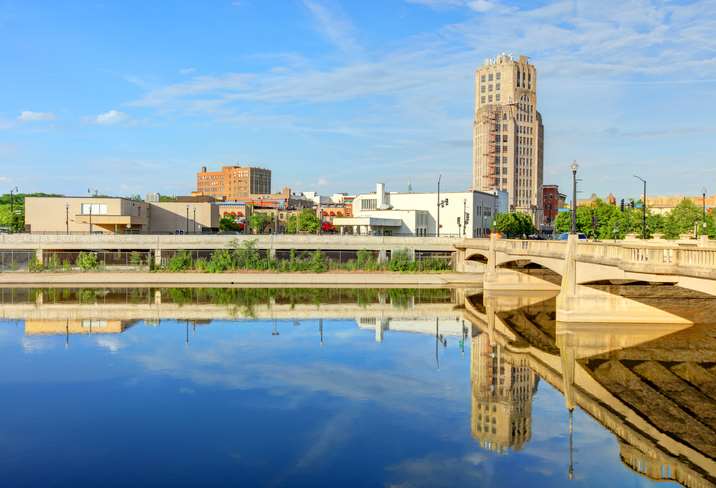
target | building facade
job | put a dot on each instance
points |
(508, 135)
(460, 214)
(233, 182)
(116, 215)
(552, 201)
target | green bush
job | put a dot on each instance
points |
(87, 261)
(135, 258)
(400, 260)
(181, 261)
(53, 262)
(66, 266)
(221, 260)
(317, 262)
(35, 265)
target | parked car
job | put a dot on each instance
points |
(565, 235)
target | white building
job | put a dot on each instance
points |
(468, 213)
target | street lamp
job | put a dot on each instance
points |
(67, 218)
(643, 208)
(194, 221)
(437, 229)
(574, 167)
(187, 219)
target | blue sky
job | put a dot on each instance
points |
(334, 95)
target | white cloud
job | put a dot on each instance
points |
(333, 26)
(481, 5)
(110, 118)
(187, 71)
(4, 179)
(29, 116)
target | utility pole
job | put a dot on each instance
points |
(574, 167)
(437, 231)
(643, 208)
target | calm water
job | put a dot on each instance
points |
(334, 387)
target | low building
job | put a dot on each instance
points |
(117, 215)
(468, 213)
(73, 215)
(183, 217)
(662, 204)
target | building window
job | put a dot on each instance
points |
(504, 138)
(482, 78)
(497, 97)
(482, 99)
(94, 209)
(369, 204)
(497, 86)
(489, 98)
(497, 76)
(482, 88)
(489, 77)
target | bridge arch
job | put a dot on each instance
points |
(552, 264)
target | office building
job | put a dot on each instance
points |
(508, 135)
(233, 182)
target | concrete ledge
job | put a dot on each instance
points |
(266, 279)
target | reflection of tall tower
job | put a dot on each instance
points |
(502, 389)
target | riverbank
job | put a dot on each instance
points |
(155, 279)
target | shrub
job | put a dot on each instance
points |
(35, 265)
(221, 260)
(53, 262)
(317, 262)
(400, 260)
(181, 261)
(66, 266)
(87, 261)
(135, 258)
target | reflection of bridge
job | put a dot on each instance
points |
(690, 266)
(653, 386)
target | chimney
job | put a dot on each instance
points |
(203, 169)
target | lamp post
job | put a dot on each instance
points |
(643, 208)
(187, 219)
(703, 207)
(194, 221)
(574, 167)
(12, 208)
(67, 218)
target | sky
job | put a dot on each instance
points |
(130, 96)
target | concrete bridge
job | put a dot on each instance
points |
(688, 264)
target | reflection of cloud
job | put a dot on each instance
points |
(37, 344)
(112, 344)
(437, 470)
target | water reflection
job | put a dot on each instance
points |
(652, 386)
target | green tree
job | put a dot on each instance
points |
(684, 218)
(513, 224)
(259, 222)
(306, 221)
(228, 224)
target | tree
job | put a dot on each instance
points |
(514, 224)
(306, 221)
(605, 221)
(258, 222)
(228, 224)
(684, 218)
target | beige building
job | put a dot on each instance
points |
(233, 182)
(508, 135)
(68, 215)
(116, 215)
(183, 217)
